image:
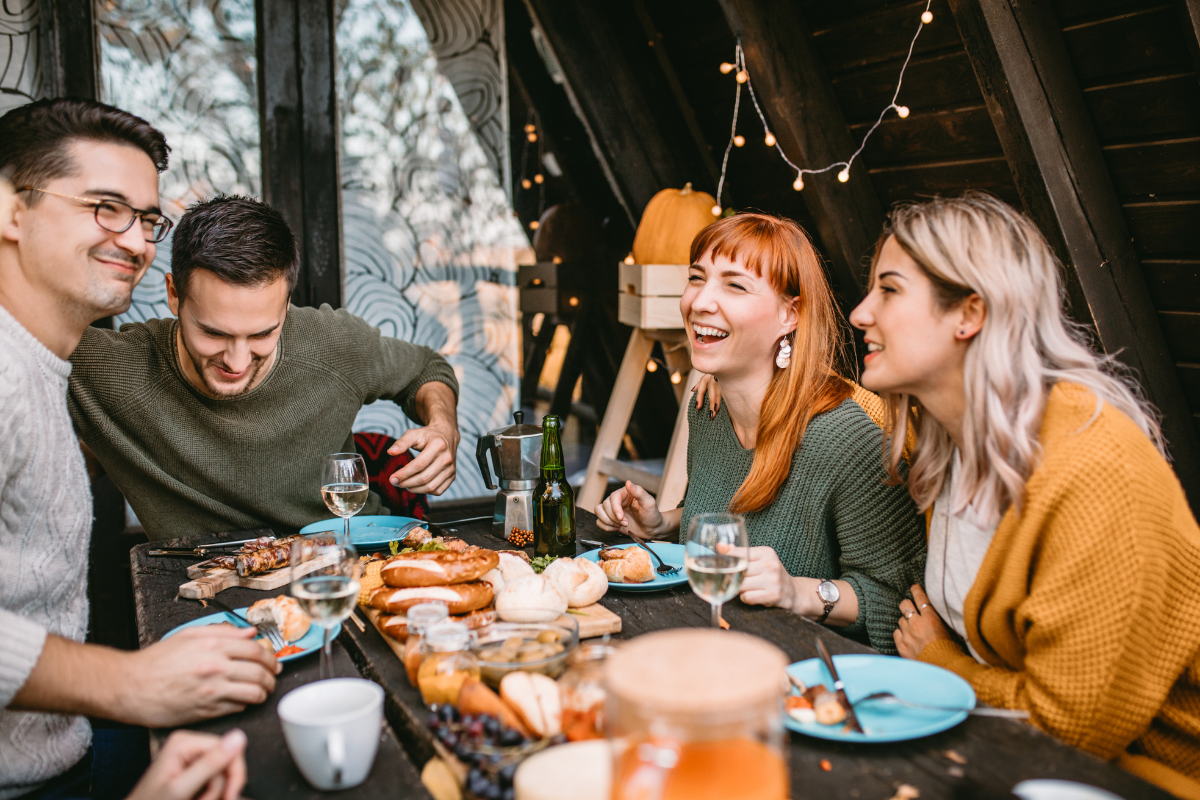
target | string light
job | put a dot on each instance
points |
(538, 178)
(652, 366)
(843, 175)
(526, 183)
(676, 377)
(629, 258)
(533, 225)
(531, 136)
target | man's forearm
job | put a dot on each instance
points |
(73, 678)
(438, 407)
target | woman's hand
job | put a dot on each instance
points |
(193, 765)
(631, 510)
(767, 582)
(920, 626)
(708, 383)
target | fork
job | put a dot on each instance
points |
(888, 697)
(663, 568)
(267, 629)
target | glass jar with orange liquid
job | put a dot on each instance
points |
(420, 617)
(447, 662)
(697, 714)
(583, 693)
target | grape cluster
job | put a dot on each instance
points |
(490, 750)
(519, 537)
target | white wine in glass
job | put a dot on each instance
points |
(716, 558)
(328, 589)
(344, 486)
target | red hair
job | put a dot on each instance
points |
(811, 384)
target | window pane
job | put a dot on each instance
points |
(430, 240)
(187, 67)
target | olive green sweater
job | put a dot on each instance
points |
(833, 518)
(190, 464)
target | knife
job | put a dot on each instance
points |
(838, 687)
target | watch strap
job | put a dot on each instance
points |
(828, 605)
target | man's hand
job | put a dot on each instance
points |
(198, 673)
(920, 625)
(194, 765)
(433, 470)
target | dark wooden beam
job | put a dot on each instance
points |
(619, 91)
(298, 120)
(805, 116)
(1190, 17)
(1025, 73)
(70, 49)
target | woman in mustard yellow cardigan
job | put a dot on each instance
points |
(1063, 574)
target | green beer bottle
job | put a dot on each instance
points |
(553, 500)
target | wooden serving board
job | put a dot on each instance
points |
(207, 582)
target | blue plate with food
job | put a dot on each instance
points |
(817, 712)
(631, 569)
(371, 532)
(301, 635)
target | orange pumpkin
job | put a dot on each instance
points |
(670, 222)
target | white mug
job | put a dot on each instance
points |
(332, 730)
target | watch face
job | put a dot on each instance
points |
(828, 591)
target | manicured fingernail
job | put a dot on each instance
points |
(234, 741)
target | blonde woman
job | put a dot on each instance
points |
(1063, 574)
(792, 446)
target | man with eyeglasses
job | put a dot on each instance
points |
(74, 241)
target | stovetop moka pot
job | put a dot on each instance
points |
(516, 457)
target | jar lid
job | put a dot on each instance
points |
(447, 636)
(424, 614)
(695, 670)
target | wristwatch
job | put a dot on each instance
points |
(827, 590)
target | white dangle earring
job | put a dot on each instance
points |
(784, 356)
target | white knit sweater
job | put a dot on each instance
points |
(45, 526)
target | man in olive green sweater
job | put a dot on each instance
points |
(218, 420)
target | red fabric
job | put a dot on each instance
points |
(373, 447)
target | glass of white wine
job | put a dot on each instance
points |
(344, 485)
(716, 558)
(325, 582)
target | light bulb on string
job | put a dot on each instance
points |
(927, 17)
(526, 183)
(531, 137)
(651, 366)
(676, 377)
(743, 76)
(902, 112)
(739, 140)
(844, 175)
(726, 68)
(716, 211)
(798, 184)
(533, 226)
(629, 258)
(530, 128)
(769, 139)
(538, 178)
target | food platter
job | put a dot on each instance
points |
(669, 552)
(367, 533)
(308, 643)
(914, 681)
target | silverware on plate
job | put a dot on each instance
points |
(267, 629)
(663, 568)
(888, 697)
(839, 687)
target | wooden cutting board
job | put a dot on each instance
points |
(208, 581)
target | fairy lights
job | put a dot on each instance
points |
(531, 137)
(737, 140)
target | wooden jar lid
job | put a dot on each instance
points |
(695, 670)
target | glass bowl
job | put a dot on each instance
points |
(504, 647)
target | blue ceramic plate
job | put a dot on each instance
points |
(365, 532)
(671, 554)
(915, 681)
(310, 642)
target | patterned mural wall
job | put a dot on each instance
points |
(431, 245)
(20, 62)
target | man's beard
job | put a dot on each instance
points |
(106, 297)
(256, 363)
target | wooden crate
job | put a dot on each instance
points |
(538, 287)
(649, 295)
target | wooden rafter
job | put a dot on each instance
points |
(1190, 17)
(799, 100)
(1021, 63)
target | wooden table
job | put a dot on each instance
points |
(998, 753)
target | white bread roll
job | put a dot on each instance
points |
(513, 567)
(536, 700)
(582, 581)
(626, 565)
(285, 612)
(531, 598)
(586, 767)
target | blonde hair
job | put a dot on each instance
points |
(780, 250)
(976, 244)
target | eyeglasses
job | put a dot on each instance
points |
(117, 217)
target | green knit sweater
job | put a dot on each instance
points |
(190, 464)
(833, 518)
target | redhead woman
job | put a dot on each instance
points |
(790, 447)
(1063, 575)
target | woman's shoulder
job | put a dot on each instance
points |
(843, 435)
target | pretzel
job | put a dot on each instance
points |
(438, 567)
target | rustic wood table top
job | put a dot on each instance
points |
(981, 758)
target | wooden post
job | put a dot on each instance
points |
(70, 49)
(299, 128)
(806, 118)
(1021, 63)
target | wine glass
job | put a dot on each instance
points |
(716, 558)
(344, 485)
(325, 582)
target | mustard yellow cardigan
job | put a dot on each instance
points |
(1087, 605)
